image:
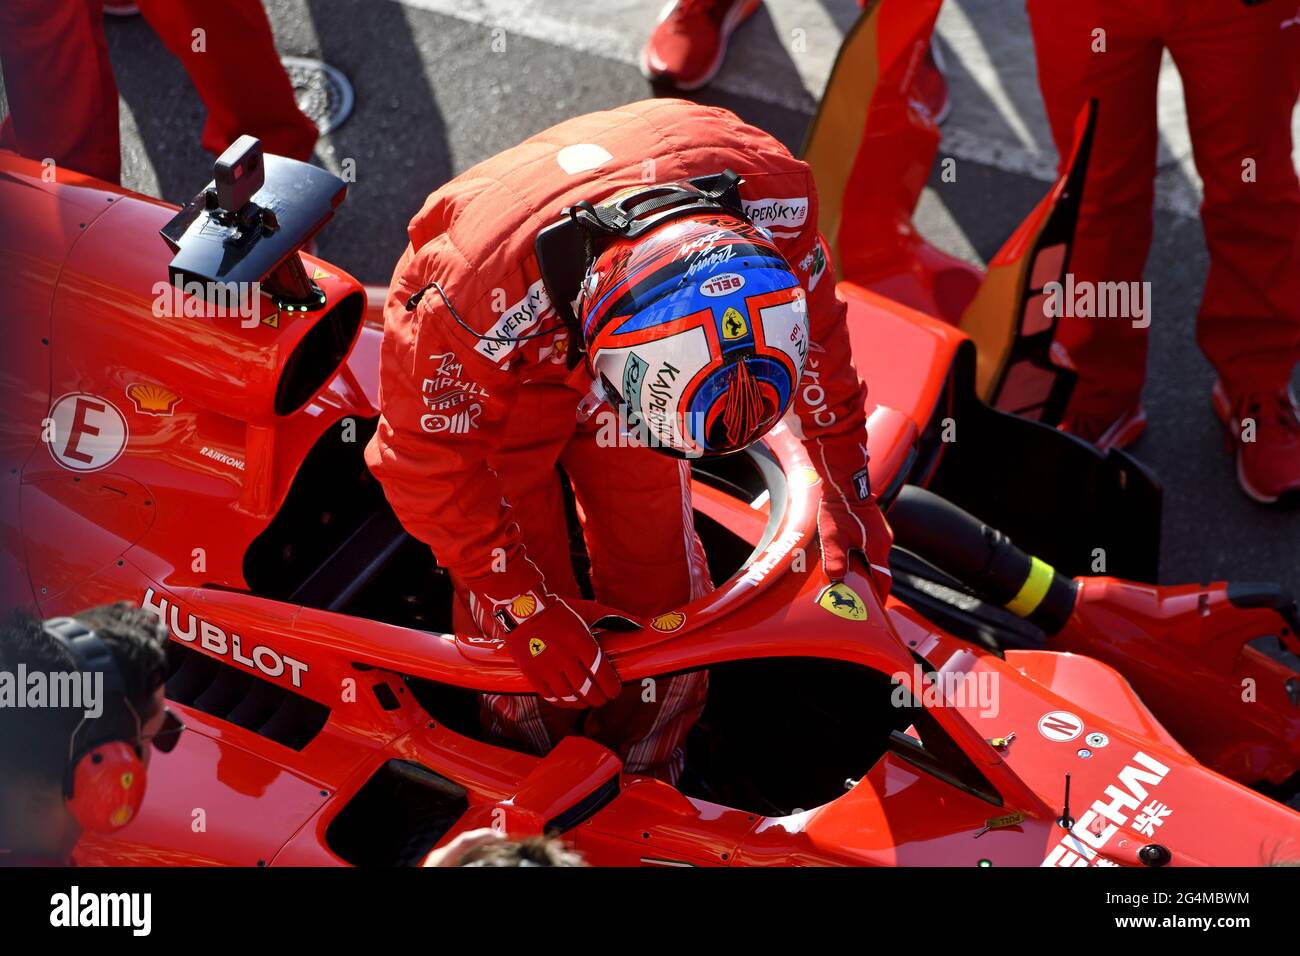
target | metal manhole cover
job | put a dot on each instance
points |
(322, 91)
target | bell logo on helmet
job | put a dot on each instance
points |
(723, 284)
(734, 325)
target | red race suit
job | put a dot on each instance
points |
(1240, 68)
(63, 98)
(475, 432)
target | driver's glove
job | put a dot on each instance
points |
(551, 644)
(849, 519)
(562, 660)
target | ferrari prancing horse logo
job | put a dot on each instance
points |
(535, 646)
(733, 324)
(842, 601)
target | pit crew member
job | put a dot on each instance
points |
(60, 45)
(689, 42)
(78, 764)
(1240, 67)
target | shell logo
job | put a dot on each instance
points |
(523, 606)
(671, 621)
(809, 476)
(121, 816)
(151, 399)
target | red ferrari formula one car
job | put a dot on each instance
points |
(209, 467)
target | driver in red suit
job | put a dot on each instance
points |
(481, 419)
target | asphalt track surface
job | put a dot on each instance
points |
(433, 97)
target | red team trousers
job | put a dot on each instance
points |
(1240, 68)
(63, 99)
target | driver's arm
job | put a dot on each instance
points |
(444, 407)
(443, 412)
(830, 405)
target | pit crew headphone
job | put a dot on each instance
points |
(104, 780)
(564, 249)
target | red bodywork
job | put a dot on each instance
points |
(209, 464)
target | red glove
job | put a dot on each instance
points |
(548, 640)
(562, 660)
(849, 519)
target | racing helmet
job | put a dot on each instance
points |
(696, 331)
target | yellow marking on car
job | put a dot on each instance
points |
(1034, 589)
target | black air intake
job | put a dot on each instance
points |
(234, 695)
